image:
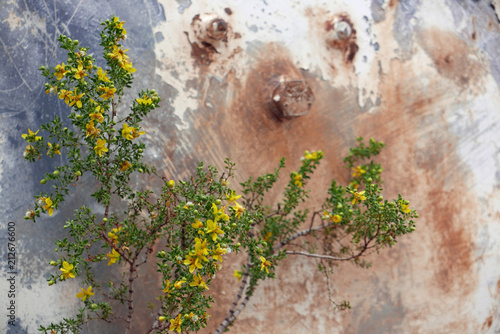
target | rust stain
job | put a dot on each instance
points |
(487, 323)
(202, 55)
(393, 4)
(454, 58)
(349, 46)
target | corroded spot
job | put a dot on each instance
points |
(292, 98)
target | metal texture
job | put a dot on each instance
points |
(421, 75)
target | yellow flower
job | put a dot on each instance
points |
(91, 130)
(268, 236)
(358, 197)
(197, 224)
(65, 95)
(114, 256)
(80, 73)
(76, 99)
(125, 165)
(195, 257)
(53, 149)
(127, 66)
(60, 71)
(109, 93)
(102, 75)
(119, 25)
(219, 213)
(83, 295)
(233, 197)
(358, 171)
(48, 205)
(67, 270)
(198, 281)
(405, 207)
(213, 229)
(118, 54)
(313, 156)
(144, 101)
(238, 274)
(97, 115)
(238, 209)
(130, 133)
(297, 179)
(112, 234)
(31, 135)
(264, 264)
(192, 262)
(178, 284)
(168, 288)
(328, 216)
(217, 253)
(175, 324)
(100, 147)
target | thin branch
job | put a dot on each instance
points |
(326, 257)
(233, 312)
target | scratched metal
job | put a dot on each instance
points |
(421, 75)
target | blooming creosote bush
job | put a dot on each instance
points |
(188, 228)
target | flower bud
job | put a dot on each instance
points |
(79, 117)
(218, 202)
(258, 249)
(112, 130)
(416, 215)
(186, 316)
(264, 243)
(339, 206)
(53, 263)
(105, 219)
(140, 150)
(78, 173)
(94, 306)
(52, 282)
(162, 253)
(380, 198)
(370, 180)
(162, 318)
(171, 184)
(140, 170)
(238, 245)
(43, 181)
(56, 172)
(234, 225)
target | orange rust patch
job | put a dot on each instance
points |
(487, 323)
(453, 58)
(393, 4)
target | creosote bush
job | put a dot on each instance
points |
(186, 227)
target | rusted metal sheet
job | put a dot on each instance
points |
(423, 76)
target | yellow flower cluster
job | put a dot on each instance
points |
(130, 133)
(71, 98)
(334, 218)
(314, 155)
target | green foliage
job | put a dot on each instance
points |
(185, 227)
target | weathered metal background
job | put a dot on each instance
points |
(421, 75)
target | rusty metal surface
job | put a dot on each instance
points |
(421, 75)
